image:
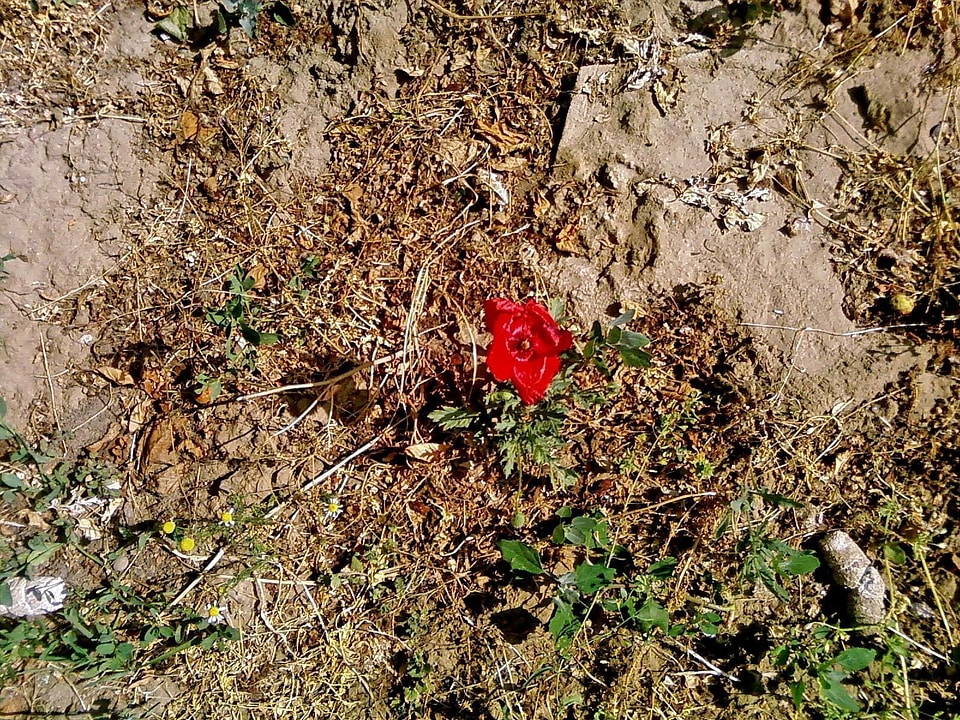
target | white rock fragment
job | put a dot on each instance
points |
(854, 571)
(39, 596)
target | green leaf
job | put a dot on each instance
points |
(623, 318)
(452, 418)
(11, 480)
(3, 408)
(124, 651)
(652, 615)
(257, 338)
(776, 499)
(855, 658)
(106, 648)
(177, 24)
(894, 553)
(635, 358)
(662, 569)
(556, 308)
(563, 623)
(833, 691)
(632, 340)
(797, 689)
(798, 563)
(5, 597)
(521, 557)
(590, 578)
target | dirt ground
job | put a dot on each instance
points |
(189, 224)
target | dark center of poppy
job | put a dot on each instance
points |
(521, 347)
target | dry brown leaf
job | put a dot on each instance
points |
(509, 164)
(352, 192)
(103, 443)
(541, 206)
(258, 273)
(116, 375)
(153, 384)
(843, 10)
(211, 187)
(34, 520)
(501, 137)
(206, 134)
(568, 240)
(429, 452)
(226, 63)
(205, 396)
(88, 529)
(211, 83)
(189, 127)
(158, 446)
(140, 416)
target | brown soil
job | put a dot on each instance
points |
(776, 200)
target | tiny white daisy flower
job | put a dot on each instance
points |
(216, 615)
(333, 508)
(227, 519)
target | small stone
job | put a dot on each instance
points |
(854, 571)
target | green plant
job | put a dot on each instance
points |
(531, 438)
(308, 272)
(628, 345)
(416, 688)
(598, 582)
(237, 317)
(208, 387)
(816, 662)
(4, 273)
(180, 23)
(108, 629)
(765, 558)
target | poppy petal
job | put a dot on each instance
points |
(532, 378)
(497, 310)
(547, 337)
(499, 360)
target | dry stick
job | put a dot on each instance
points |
(53, 397)
(419, 298)
(262, 602)
(713, 668)
(920, 646)
(850, 333)
(296, 421)
(196, 581)
(323, 383)
(268, 581)
(936, 595)
(326, 473)
(669, 501)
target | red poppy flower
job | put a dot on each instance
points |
(526, 346)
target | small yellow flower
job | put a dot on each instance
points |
(227, 519)
(187, 544)
(168, 527)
